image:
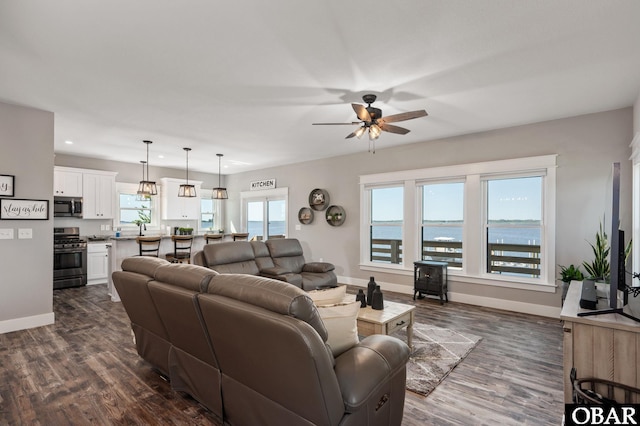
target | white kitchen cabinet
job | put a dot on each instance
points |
(179, 208)
(67, 183)
(99, 192)
(97, 263)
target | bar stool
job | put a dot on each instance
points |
(181, 249)
(149, 246)
(240, 236)
(213, 238)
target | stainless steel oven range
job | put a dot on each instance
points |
(69, 258)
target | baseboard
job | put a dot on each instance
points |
(487, 302)
(24, 323)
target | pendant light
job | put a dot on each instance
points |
(219, 193)
(185, 189)
(147, 187)
(141, 196)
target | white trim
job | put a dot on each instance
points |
(24, 323)
(462, 170)
(469, 299)
(474, 175)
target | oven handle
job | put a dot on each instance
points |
(70, 250)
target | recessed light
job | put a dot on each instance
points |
(160, 156)
(69, 142)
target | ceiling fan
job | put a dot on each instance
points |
(371, 120)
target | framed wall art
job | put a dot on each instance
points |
(7, 183)
(16, 209)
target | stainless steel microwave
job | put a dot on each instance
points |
(67, 207)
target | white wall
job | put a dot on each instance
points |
(586, 147)
(26, 265)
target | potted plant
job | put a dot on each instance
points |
(185, 231)
(599, 268)
(568, 274)
(142, 220)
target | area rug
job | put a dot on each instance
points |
(436, 352)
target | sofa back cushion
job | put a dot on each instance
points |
(190, 277)
(262, 255)
(273, 295)
(231, 257)
(286, 253)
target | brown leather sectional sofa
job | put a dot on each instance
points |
(280, 258)
(253, 350)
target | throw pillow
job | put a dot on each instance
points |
(342, 326)
(329, 296)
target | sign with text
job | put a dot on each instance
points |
(6, 185)
(24, 209)
(263, 184)
(601, 414)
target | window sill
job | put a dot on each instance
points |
(459, 276)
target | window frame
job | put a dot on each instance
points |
(132, 189)
(264, 196)
(475, 249)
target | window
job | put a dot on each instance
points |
(131, 209)
(385, 224)
(492, 222)
(442, 222)
(514, 225)
(264, 213)
(210, 212)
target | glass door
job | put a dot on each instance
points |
(265, 216)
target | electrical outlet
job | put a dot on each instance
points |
(107, 227)
(102, 228)
(25, 233)
(6, 234)
(298, 227)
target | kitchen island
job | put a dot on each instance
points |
(126, 246)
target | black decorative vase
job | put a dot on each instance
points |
(378, 302)
(370, 287)
(360, 297)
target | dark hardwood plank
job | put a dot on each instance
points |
(84, 370)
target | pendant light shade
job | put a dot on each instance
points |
(146, 188)
(185, 189)
(219, 193)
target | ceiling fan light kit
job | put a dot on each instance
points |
(185, 189)
(371, 119)
(219, 193)
(146, 188)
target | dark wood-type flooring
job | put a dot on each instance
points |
(84, 370)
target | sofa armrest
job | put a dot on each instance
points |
(361, 369)
(318, 267)
(198, 259)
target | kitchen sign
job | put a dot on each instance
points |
(263, 184)
(24, 209)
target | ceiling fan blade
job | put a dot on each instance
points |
(393, 129)
(361, 112)
(336, 124)
(403, 116)
(350, 135)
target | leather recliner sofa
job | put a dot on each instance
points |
(279, 258)
(261, 344)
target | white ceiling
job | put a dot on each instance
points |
(247, 78)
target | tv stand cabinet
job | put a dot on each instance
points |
(602, 346)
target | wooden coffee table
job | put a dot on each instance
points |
(393, 317)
